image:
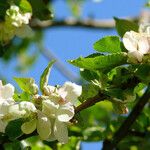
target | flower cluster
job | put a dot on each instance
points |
(137, 43)
(16, 23)
(49, 113)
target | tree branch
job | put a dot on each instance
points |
(70, 22)
(123, 130)
(87, 23)
(90, 102)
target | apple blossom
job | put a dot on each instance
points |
(56, 111)
(6, 100)
(137, 45)
(69, 92)
(16, 18)
(15, 24)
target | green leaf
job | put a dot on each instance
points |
(27, 85)
(24, 5)
(100, 62)
(143, 73)
(4, 5)
(24, 96)
(40, 10)
(45, 75)
(109, 44)
(123, 26)
(89, 75)
(13, 129)
(88, 91)
(16, 145)
(73, 144)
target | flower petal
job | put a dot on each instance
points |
(6, 91)
(49, 108)
(29, 127)
(61, 131)
(71, 90)
(135, 56)
(144, 45)
(43, 126)
(130, 42)
(65, 112)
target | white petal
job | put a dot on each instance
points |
(49, 108)
(61, 131)
(135, 56)
(48, 90)
(6, 91)
(65, 113)
(4, 108)
(52, 136)
(72, 90)
(16, 112)
(29, 127)
(27, 106)
(130, 42)
(43, 126)
(143, 45)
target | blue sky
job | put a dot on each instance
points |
(70, 43)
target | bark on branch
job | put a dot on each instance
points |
(90, 23)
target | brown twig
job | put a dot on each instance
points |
(90, 102)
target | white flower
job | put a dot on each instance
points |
(22, 109)
(137, 44)
(42, 123)
(59, 115)
(6, 92)
(16, 17)
(15, 24)
(57, 110)
(69, 92)
(6, 100)
(145, 29)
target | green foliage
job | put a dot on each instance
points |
(110, 44)
(40, 10)
(13, 129)
(24, 5)
(24, 96)
(88, 91)
(89, 75)
(14, 145)
(27, 85)
(4, 5)
(100, 62)
(73, 144)
(143, 73)
(45, 75)
(123, 26)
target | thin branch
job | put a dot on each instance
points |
(124, 129)
(90, 102)
(88, 23)
(70, 22)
